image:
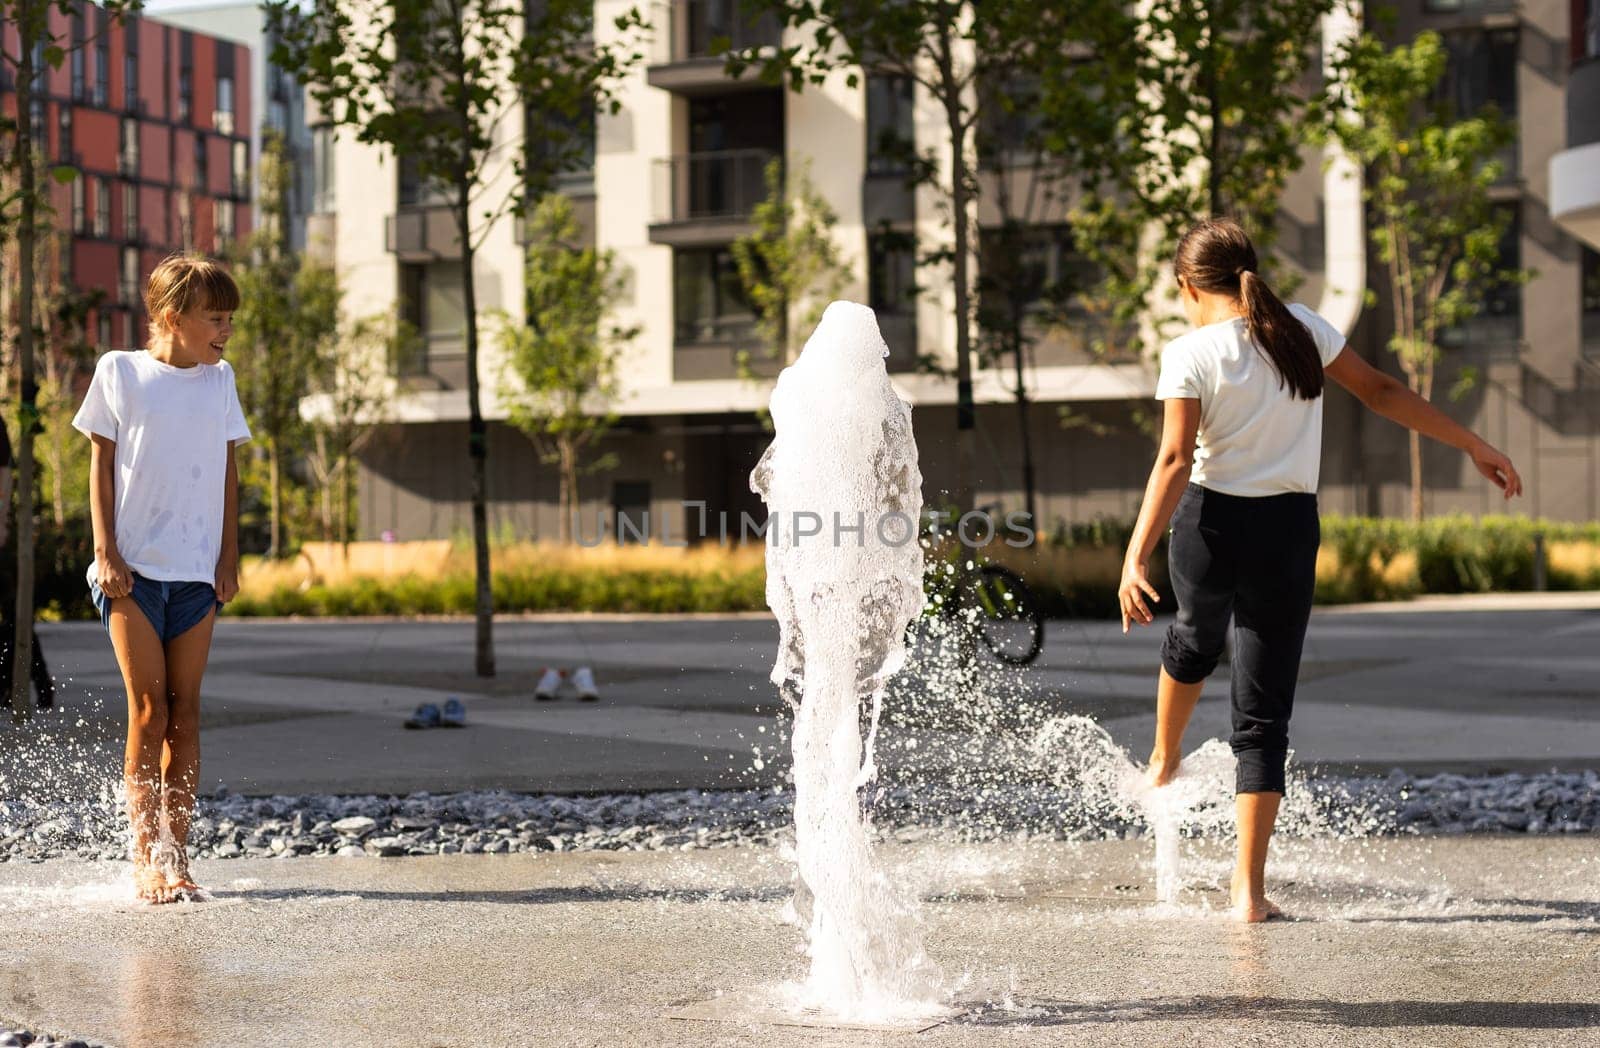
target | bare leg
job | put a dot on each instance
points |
(144, 667)
(1175, 702)
(1257, 813)
(180, 758)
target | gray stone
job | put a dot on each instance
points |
(355, 826)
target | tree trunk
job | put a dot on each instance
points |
(1415, 444)
(1214, 110)
(478, 451)
(568, 499)
(966, 412)
(22, 651)
(275, 526)
(1019, 348)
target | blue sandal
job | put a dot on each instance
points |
(425, 716)
(454, 715)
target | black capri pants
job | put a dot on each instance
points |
(1253, 560)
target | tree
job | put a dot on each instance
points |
(563, 363)
(1171, 112)
(351, 397)
(288, 313)
(436, 82)
(1429, 175)
(946, 47)
(26, 26)
(789, 264)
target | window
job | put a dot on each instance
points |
(202, 174)
(128, 283)
(1037, 269)
(1591, 31)
(1480, 73)
(322, 169)
(130, 75)
(222, 119)
(80, 212)
(708, 297)
(891, 132)
(128, 150)
(102, 208)
(892, 293)
(130, 211)
(630, 502)
(1498, 322)
(433, 300)
(185, 94)
(102, 73)
(1590, 298)
(79, 85)
(891, 272)
(103, 325)
(64, 133)
(1008, 118)
(224, 222)
(414, 190)
(239, 169)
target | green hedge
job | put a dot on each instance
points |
(1455, 554)
(639, 591)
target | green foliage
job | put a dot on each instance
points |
(563, 364)
(789, 263)
(1429, 175)
(1168, 112)
(286, 324)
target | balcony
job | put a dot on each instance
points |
(1575, 172)
(422, 234)
(685, 62)
(706, 198)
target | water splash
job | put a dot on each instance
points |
(844, 577)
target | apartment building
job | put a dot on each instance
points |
(276, 99)
(155, 121)
(677, 171)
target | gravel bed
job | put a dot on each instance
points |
(230, 826)
(16, 1037)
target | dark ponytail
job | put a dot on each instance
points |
(1217, 256)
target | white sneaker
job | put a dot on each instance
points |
(549, 685)
(583, 682)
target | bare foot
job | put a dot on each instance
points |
(1162, 770)
(1252, 908)
(150, 885)
(180, 886)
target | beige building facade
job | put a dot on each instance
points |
(677, 170)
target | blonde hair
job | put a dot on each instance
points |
(186, 282)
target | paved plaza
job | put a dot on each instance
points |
(1476, 684)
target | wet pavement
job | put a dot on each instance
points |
(1460, 941)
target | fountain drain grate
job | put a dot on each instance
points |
(756, 1008)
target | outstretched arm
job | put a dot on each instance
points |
(1180, 423)
(1389, 397)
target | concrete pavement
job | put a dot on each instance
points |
(1458, 942)
(316, 706)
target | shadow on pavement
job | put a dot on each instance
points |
(1552, 1015)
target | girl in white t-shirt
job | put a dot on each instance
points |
(1236, 477)
(163, 493)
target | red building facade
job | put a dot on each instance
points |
(156, 122)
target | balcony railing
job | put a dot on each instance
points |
(723, 185)
(697, 27)
(422, 233)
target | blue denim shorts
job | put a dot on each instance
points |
(173, 608)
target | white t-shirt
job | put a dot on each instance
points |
(1256, 438)
(172, 427)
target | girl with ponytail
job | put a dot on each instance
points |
(1236, 477)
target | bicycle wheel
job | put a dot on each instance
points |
(1012, 626)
